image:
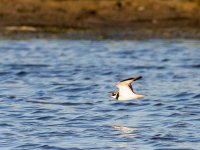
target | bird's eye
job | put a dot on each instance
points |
(113, 94)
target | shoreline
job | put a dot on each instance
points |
(100, 19)
(27, 32)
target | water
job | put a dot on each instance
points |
(54, 95)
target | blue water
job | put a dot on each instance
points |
(54, 95)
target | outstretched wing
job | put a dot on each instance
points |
(125, 85)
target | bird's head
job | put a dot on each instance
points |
(113, 95)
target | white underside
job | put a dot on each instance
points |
(125, 93)
(130, 97)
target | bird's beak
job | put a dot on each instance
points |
(110, 94)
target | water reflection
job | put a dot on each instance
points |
(124, 129)
(126, 132)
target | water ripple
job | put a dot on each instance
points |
(53, 95)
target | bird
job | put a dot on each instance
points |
(126, 91)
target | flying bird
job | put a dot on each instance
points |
(126, 91)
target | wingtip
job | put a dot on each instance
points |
(137, 78)
(133, 78)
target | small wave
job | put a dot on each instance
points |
(22, 73)
(48, 147)
(183, 94)
(118, 103)
(195, 66)
(196, 96)
(43, 97)
(131, 104)
(165, 60)
(103, 110)
(11, 97)
(107, 73)
(174, 149)
(121, 109)
(179, 77)
(71, 89)
(63, 104)
(175, 115)
(5, 125)
(28, 145)
(45, 118)
(171, 107)
(149, 67)
(158, 104)
(4, 73)
(22, 66)
(167, 137)
(180, 125)
(74, 104)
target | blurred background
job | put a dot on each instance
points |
(146, 18)
(59, 59)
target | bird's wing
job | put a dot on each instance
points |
(125, 85)
(124, 90)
